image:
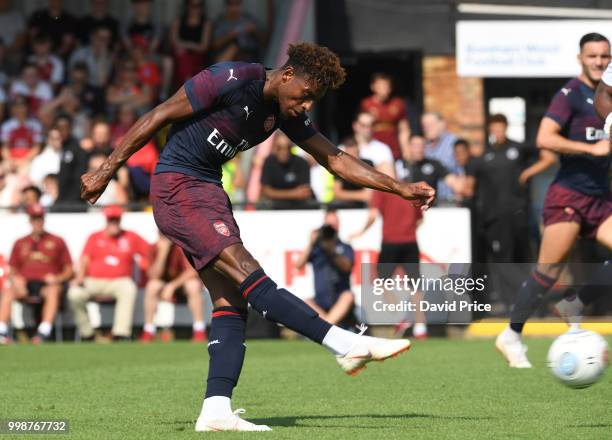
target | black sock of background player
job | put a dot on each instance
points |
(280, 305)
(600, 283)
(529, 298)
(226, 349)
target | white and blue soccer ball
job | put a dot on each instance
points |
(578, 358)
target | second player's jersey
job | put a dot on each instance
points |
(572, 108)
(230, 115)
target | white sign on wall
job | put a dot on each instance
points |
(528, 49)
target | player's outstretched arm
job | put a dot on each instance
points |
(359, 173)
(173, 109)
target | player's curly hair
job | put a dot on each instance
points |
(316, 63)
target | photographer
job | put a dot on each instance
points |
(332, 262)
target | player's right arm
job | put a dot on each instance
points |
(173, 109)
(603, 100)
(550, 138)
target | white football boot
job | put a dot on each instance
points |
(509, 344)
(232, 423)
(570, 311)
(369, 349)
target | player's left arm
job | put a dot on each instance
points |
(359, 173)
(175, 108)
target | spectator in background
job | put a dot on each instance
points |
(67, 103)
(124, 119)
(10, 189)
(285, 177)
(369, 148)
(399, 250)
(12, 30)
(91, 97)
(30, 85)
(50, 67)
(232, 178)
(169, 274)
(464, 163)
(439, 145)
(391, 125)
(21, 137)
(415, 167)
(97, 56)
(190, 35)
(5, 70)
(100, 139)
(105, 268)
(347, 195)
(74, 162)
(236, 35)
(30, 196)
(126, 89)
(48, 161)
(148, 72)
(116, 193)
(39, 266)
(98, 18)
(50, 190)
(502, 203)
(59, 24)
(332, 262)
(143, 31)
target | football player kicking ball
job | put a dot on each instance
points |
(578, 202)
(221, 111)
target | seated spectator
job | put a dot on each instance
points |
(126, 89)
(30, 196)
(21, 137)
(12, 30)
(391, 125)
(48, 161)
(74, 162)
(105, 269)
(6, 70)
(415, 167)
(285, 177)
(115, 193)
(9, 189)
(236, 35)
(100, 139)
(90, 96)
(332, 262)
(66, 103)
(439, 145)
(30, 85)
(369, 148)
(170, 273)
(98, 18)
(190, 38)
(50, 190)
(148, 71)
(56, 22)
(143, 30)
(97, 56)
(347, 195)
(125, 118)
(39, 267)
(50, 67)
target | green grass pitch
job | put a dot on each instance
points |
(440, 389)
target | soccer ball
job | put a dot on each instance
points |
(578, 358)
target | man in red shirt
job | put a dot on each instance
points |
(391, 119)
(171, 272)
(39, 266)
(105, 269)
(399, 248)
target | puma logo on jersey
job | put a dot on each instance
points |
(222, 146)
(216, 341)
(248, 113)
(565, 91)
(231, 76)
(589, 101)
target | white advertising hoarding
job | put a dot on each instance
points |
(528, 49)
(275, 238)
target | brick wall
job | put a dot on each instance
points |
(459, 100)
